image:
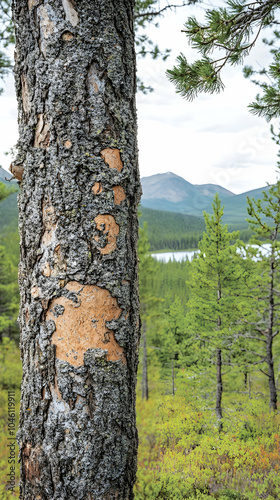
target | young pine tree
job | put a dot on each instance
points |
(148, 302)
(213, 307)
(264, 219)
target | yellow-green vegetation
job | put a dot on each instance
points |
(10, 380)
(184, 456)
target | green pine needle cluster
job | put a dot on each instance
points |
(226, 38)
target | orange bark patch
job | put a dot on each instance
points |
(119, 194)
(113, 158)
(68, 144)
(59, 263)
(49, 222)
(27, 315)
(17, 171)
(46, 269)
(67, 36)
(107, 224)
(97, 188)
(30, 462)
(42, 133)
(35, 292)
(82, 325)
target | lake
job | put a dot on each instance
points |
(188, 254)
(177, 256)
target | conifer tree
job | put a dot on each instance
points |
(148, 302)
(6, 191)
(230, 32)
(213, 307)
(8, 295)
(264, 219)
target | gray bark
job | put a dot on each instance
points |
(173, 380)
(79, 316)
(219, 386)
(219, 380)
(269, 335)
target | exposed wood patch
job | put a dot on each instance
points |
(46, 26)
(107, 224)
(46, 269)
(67, 36)
(32, 3)
(97, 188)
(82, 325)
(27, 315)
(119, 194)
(17, 171)
(35, 292)
(30, 462)
(68, 144)
(42, 134)
(25, 95)
(70, 12)
(49, 222)
(113, 158)
(59, 262)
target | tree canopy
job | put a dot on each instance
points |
(225, 38)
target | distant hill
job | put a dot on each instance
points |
(170, 193)
(172, 207)
(170, 231)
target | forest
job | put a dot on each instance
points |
(209, 362)
(205, 331)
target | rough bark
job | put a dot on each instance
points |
(219, 387)
(269, 335)
(75, 83)
(219, 380)
(145, 384)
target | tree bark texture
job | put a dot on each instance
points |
(219, 387)
(270, 335)
(79, 316)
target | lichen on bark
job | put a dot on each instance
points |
(79, 316)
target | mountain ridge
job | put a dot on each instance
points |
(169, 192)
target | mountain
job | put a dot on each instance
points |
(170, 193)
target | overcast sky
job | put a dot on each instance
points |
(211, 140)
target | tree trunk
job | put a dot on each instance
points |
(245, 379)
(219, 386)
(269, 336)
(145, 384)
(219, 390)
(79, 317)
(271, 376)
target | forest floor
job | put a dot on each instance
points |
(182, 453)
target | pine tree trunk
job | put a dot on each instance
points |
(77, 159)
(219, 389)
(245, 380)
(145, 384)
(269, 337)
(271, 376)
